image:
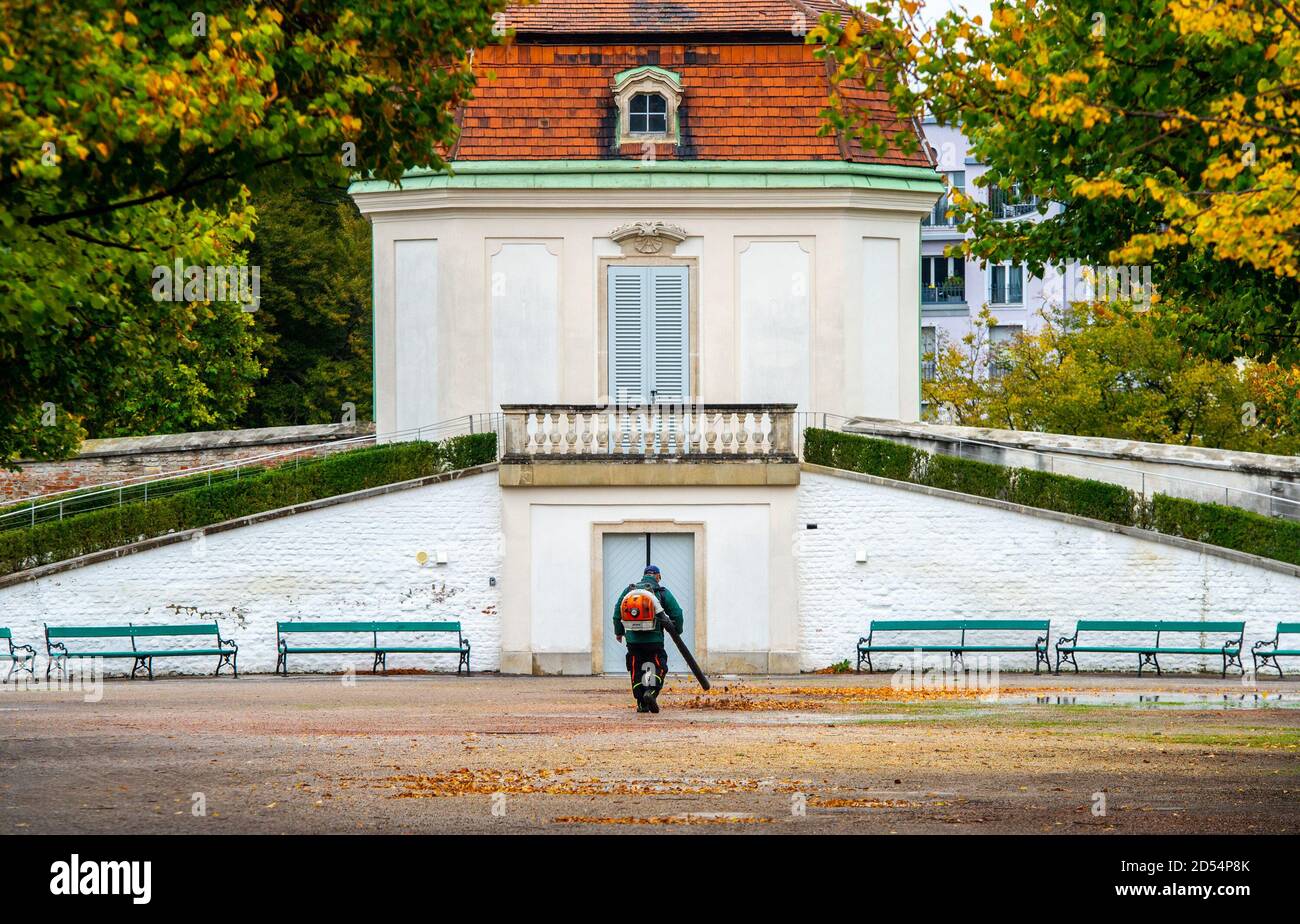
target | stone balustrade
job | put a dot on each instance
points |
(648, 433)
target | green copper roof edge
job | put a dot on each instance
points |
(671, 76)
(634, 173)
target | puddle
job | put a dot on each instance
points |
(1288, 700)
(822, 718)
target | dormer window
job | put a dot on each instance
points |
(648, 99)
(648, 115)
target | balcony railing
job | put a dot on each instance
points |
(1010, 204)
(938, 217)
(648, 433)
(948, 291)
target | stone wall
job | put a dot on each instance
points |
(110, 460)
(930, 554)
(1264, 483)
(358, 559)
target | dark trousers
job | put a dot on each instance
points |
(638, 656)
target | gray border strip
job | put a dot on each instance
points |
(1178, 542)
(144, 545)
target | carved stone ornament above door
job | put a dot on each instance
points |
(648, 238)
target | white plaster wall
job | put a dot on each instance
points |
(774, 279)
(942, 558)
(525, 292)
(415, 272)
(737, 563)
(351, 561)
(748, 592)
(851, 341)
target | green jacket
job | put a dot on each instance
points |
(671, 608)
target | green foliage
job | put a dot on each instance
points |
(860, 454)
(968, 476)
(129, 137)
(1118, 372)
(1168, 128)
(1228, 527)
(200, 505)
(1083, 497)
(315, 315)
(204, 382)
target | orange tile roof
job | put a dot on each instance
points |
(575, 17)
(756, 100)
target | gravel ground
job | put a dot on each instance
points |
(815, 753)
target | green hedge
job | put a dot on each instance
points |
(1228, 527)
(288, 484)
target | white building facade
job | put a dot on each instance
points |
(953, 290)
(647, 254)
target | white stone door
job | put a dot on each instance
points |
(625, 556)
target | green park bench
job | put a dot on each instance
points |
(1148, 652)
(21, 657)
(59, 642)
(1042, 628)
(374, 630)
(1262, 653)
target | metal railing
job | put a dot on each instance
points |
(1143, 483)
(952, 289)
(45, 508)
(648, 433)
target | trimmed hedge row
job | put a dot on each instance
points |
(353, 470)
(1228, 527)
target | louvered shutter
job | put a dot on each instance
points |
(628, 350)
(670, 369)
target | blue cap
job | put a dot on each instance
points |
(651, 569)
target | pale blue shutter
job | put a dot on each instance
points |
(627, 335)
(669, 321)
(649, 350)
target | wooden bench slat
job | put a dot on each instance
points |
(59, 651)
(868, 646)
(374, 628)
(1156, 629)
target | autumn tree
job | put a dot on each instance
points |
(1112, 370)
(129, 136)
(315, 321)
(1169, 129)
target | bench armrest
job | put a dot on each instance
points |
(1265, 643)
(863, 638)
(50, 646)
(28, 648)
(1041, 642)
(226, 643)
(1067, 639)
(1232, 643)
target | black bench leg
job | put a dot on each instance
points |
(1148, 658)
(226, 660)
(1232, 661)
(282, 663)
